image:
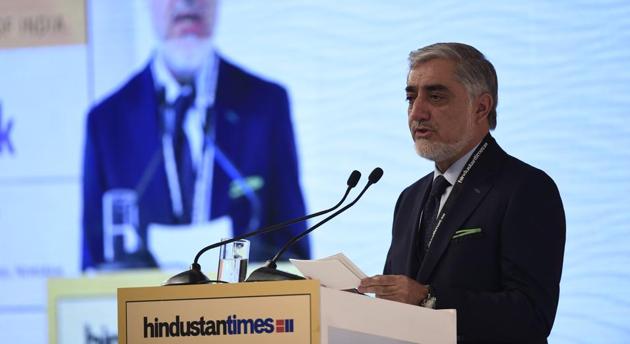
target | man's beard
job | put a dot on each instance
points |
(185, 56)
(441, 151)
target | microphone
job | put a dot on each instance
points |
(195, 276)
(269, 271)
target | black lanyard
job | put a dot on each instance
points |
(459, 184)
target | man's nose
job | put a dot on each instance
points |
(419, 111)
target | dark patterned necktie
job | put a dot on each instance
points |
(185, 169)
(430, 213)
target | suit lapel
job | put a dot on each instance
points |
(142, 122)
(474, 189)
(226, 117)
(144, 125)
(226, 121)
(414, 258)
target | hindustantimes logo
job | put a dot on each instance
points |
(230, 326)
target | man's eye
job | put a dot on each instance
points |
(410, 99)
(436, 97)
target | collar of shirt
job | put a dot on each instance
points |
(452, 173)
(205, 86)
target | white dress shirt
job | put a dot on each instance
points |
(451, 175)
(202, 155)
(205, 86)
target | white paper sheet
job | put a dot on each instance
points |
(174, 246)
(337, 271)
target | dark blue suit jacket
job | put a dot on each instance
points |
(253, 129)
(504, 279)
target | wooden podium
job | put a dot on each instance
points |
(273, 312)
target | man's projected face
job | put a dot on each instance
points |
(173, 19)
(184, 29)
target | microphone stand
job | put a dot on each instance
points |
(269, 272)
(194, 274)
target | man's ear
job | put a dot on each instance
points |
(483, 104)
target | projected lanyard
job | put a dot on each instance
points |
(202, 197)
(457, 188)
(202, 188)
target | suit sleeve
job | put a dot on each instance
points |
(387, 269)
(93, 186)
(531, 252)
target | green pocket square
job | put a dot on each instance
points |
(255, 183)
(466, 231)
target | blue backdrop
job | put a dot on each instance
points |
(564, 100)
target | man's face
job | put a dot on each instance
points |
(440, 113)
(176, 19)
(184, 29)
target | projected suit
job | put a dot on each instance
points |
(253, 129)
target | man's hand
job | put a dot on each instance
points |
(394, 287)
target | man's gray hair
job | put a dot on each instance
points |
(473, 70)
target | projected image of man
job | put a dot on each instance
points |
(195, 138)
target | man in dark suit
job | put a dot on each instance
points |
(484, 233)
(190, 109)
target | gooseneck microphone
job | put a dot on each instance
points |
(269, 271)
(352, 182)
(195, 276)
